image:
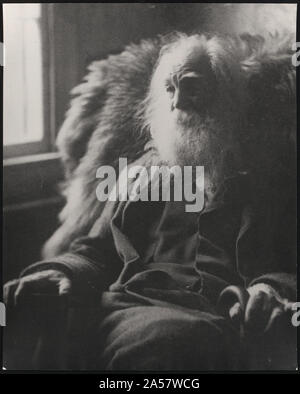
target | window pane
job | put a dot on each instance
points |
(23, 90)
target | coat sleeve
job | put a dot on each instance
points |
(92, 262)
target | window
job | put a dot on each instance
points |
(41, 64)
(24, 80)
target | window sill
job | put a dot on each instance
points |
(42, 157)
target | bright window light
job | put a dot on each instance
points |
(23, 85)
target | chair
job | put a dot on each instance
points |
(103, 123)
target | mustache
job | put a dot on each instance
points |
(192, 122)
(187, 119)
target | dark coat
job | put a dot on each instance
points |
(263, 248)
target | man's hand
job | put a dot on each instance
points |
(264, 308)
(46, 282)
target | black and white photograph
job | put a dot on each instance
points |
(149, 188)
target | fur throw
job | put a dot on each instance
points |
(105, 118)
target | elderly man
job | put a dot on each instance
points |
(197, 290)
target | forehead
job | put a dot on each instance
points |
(189, 54)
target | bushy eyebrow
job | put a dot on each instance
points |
(182, 73)
(190, 74)
(186, 73)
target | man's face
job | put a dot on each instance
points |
(187, 122)
(189, 81)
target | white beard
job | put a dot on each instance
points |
(189, 139)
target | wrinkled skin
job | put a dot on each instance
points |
(52, 282)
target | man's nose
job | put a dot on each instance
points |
(180, 101)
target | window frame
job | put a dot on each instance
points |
(31, 171)
(62, 70)
(47, 143)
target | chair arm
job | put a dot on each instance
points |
(48, 332)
